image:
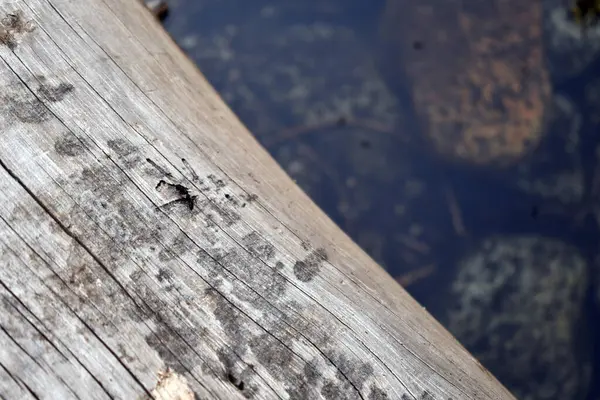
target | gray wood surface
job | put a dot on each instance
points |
(149, 247)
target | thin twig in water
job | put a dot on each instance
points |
(457, 221)
(297, 131)
(413, 244)
(416, 275)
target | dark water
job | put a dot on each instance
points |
(311, 80)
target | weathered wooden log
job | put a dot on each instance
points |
(150, 247)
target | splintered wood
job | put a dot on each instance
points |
(143, 229)
(172, 386)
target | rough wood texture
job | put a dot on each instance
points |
(149, 247)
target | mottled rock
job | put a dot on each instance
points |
(476, 71)
(518, 302)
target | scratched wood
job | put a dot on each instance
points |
(150, 248)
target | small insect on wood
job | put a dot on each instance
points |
(184, 194)
(585, 13)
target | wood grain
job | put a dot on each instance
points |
(150, 248)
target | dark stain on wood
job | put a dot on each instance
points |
(69, 146)
(26, 107)
(235, 373)
(77, 276)
(426, 396)
(203, 186)
(230, 319)
(12, 25)
(219, 184)
(214, 211)
(301, 388)
(128, 153)
(7, 38)
(251, 197)
(228, 360)
(272, 354)
(356, 372)
(305, 270)
(311, 373)
(176, 337)
(256, 274)
(216, 273)
(55, 93)
(83, 276)
(169, 348)
(124, 354)
(164, 275)
(101, 183)
(238, 383)
(277, 358)
(175, 248)
(83, 280)
(27, 328)
(258, 246)
(377, 393)
(129, 229)
(251, 176)
(23, 104)
(232, 200)
(332, 390)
